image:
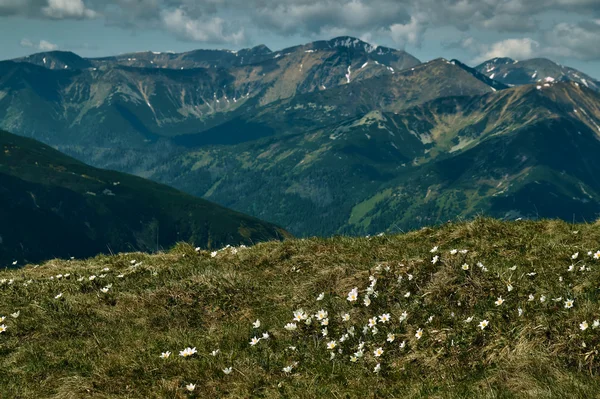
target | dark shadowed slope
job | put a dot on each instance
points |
(54, 206)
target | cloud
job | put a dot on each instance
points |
(410, 33)
(317, 17)
(208, 30)
(522, 48)
(574, 40)
(60, 9)
(562, 41)
(519, 27)
(42, 45)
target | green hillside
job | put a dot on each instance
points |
(52, 205)
(520, 152)
(481, 309)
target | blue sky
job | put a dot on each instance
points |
(567, 31)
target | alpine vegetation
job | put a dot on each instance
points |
(473, 309)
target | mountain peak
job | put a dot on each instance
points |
(351, 42)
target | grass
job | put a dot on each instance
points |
(88, 344)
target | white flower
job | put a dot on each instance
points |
(575, 255)
(390, 337)
(435, 259)
(384, 318)
(187, 352)
(402, 344)
(597, 255)
(465, 267)
(15, 315)
(58, 296)
(531, 297)
(434, 249)
(520, 311)
(410, 277)
(133, 262)
(321, 296)
(464, 251)
(374, 330)
(571, 268)
(324, 332)
(353, 295)
(106, 269)
(308, 321)
(483, 324)
(531, 274)
(325, 322)
(345, 317)
(215, 352)
(377, 368)
(403, 316)
(256, 324)
(372, 322)
(543, 298)
(92, 277)
(2, 328)
(407, 295)
(419, 333)
(266, 335)
(583, 326)
(299, 315)
(213, 254)
(165, 355)
(367, 301)
(596, 324)
(254, 341)
(499, 301)
(321, 314)
(469, 319)
(104, 290)
(569, 303)
(120, 276)
(513, 268)
(287, 369)
(378, 352)
(227, 370)
(331, 345)
(509, 287)
(190, 387)
(2, 318)
(453, 252)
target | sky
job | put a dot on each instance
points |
(566, 31)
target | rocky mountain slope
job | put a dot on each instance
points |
(328, 137)
(534, 71)
(495, 153)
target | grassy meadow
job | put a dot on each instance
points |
(479, 309)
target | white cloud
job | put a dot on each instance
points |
(518, 49)
(42, 45)
(409, 33)
(208, 30)
(60, 9)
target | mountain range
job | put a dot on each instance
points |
(55, 206)
(330, 137)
